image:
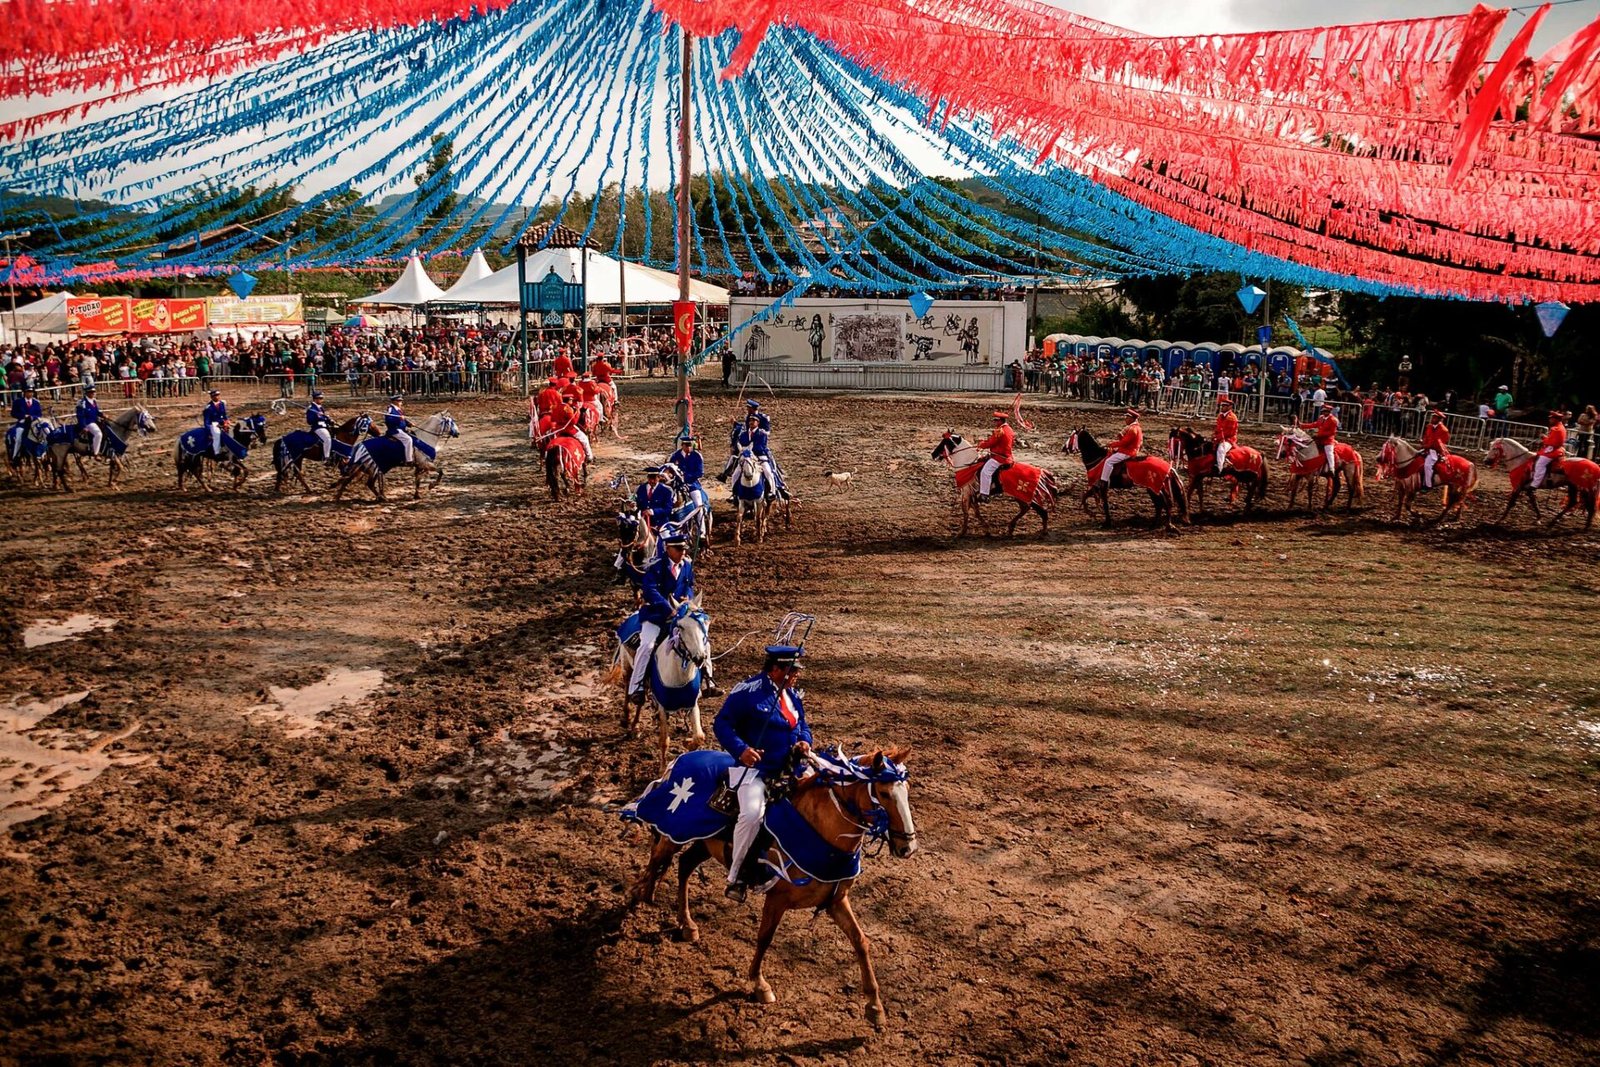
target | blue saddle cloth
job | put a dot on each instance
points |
(388, 453)
(670, 698)
(198, 443)
(422, 448)
(30, 447)
(110, 443)
(299, 442)
(628, 629)
(675, 805)
(803, 848)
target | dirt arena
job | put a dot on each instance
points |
(1272, 790)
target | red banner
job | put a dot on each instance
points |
(94, 314)
(168, 316)
(683, 325)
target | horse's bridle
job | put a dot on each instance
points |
(700, 619)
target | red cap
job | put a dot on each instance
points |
(1132, 413)
(1002, 414)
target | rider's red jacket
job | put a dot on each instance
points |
(1000, 443)
(1437, 437)
(1227, 428)
(1131, 441)
(1555, 441)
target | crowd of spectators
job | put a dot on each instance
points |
(1375, 410)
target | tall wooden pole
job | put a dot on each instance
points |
(684, 160)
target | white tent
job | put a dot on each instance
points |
(644, 285)
(477, 269)
(414, 288)
(40, 322)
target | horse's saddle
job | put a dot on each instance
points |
(628, 631)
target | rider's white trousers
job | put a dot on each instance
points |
(986, 476)
(1109, 469)
(1541, 467)
(327, 441)
(649, 634)
(746, 781)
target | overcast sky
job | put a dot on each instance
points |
(1177, 17)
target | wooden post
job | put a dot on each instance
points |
(685, 158)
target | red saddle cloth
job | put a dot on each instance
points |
(1147, 472)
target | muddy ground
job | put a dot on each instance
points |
(1273, 790)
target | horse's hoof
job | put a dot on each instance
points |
(689, 934)
(875, 1015)
(763, 994)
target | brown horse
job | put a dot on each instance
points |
(848, 803)
(1033, 488)
(1149, 473)
(1246, 469)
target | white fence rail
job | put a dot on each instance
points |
(885, 376)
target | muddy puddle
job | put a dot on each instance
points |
(300, 710)
(40, 767)
(49, 631)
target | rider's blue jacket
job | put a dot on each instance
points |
(752, 716)
(216, 411)
(315, 416)
(394, 419)
(88, 413)
(658, 501)
(692, 466)
(23, 408)
(660, 587)
(755, 440)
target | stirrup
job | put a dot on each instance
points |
(737, 890)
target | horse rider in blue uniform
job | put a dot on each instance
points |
(321, 425)
(762, 724)
(396, 423)
(25, 409)
(754, 438)
(215, 417)
(654, 498)
(88, 412)
(668, 582)
(689, 462)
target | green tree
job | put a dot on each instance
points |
(436, 175)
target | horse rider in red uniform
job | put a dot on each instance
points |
(1551, 448)
(1326, 432)
(562, 367)
(548, 402)
(1226, 434)
(1124, 448)
(1436, 443)
(565, 422)
(1000, 444)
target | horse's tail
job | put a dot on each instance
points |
(280, 454)
(1261, 482)
(614, 672)
(1357, 481)
(1180, 499)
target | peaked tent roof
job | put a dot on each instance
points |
(645, 285)
(40, 322)
(413, 288)
(476, 270)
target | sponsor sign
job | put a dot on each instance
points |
(255, 310)
(97, 314)
(168, 316)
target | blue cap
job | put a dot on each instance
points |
(752, 404)
(397, 398)
(316, 394)
(785, 655)
(676, 537)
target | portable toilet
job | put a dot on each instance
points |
(1204, 354)
(1177, 352)
(1133, 350)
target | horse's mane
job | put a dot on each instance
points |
(1090, 449)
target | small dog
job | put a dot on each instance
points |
(840, 479)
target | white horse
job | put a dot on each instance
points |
(21, 447)
(751, 496)
(125, 426)
(377, 457)
(680, 668)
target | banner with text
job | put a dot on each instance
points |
(168, 316)
(255, 311)
(97, 314)
(970, 333)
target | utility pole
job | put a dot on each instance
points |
(1262, 371)
(684, 160)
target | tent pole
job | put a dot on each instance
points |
(583, 275)
(622, 296)
(522, 310)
